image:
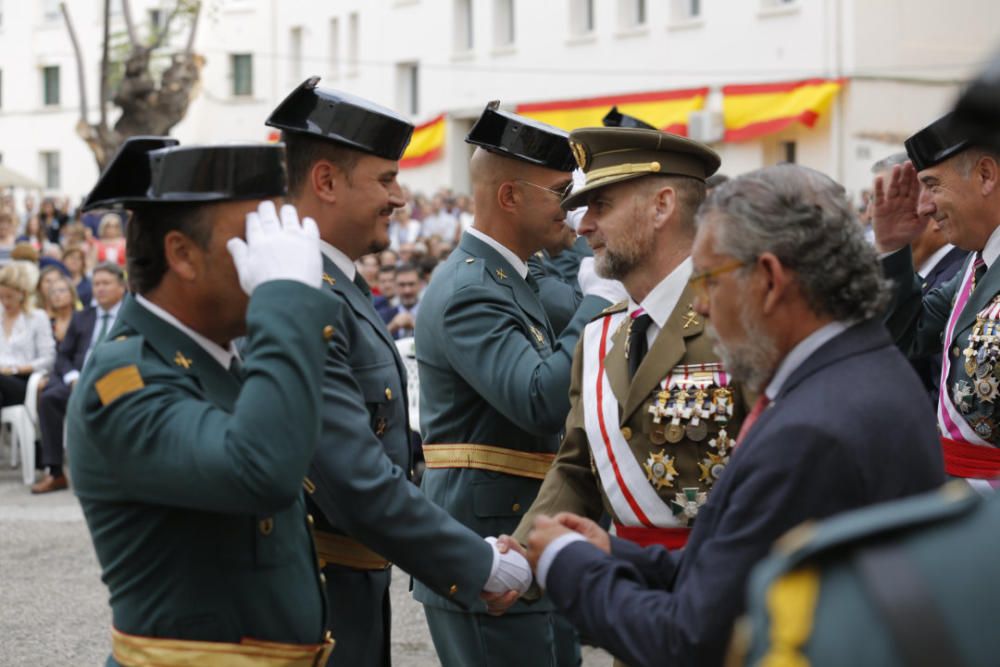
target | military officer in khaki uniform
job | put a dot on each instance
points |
(654, 415)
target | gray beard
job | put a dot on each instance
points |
(752, 361)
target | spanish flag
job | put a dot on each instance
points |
(426, 145)
(667, 110)
(752, 111)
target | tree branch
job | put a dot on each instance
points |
(104, 64)
(162, 34)
(194, 27)
(133, 37)
(80, 76)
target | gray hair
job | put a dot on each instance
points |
(803, 218)
(887, 163)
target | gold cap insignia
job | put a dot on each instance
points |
(580, 153)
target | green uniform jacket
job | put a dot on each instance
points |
(918, 327)
(572, 484)
(879, 586)
(191, 484)
(492, 372)
(560, 298)
(361, 468)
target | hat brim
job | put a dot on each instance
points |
(579, 198)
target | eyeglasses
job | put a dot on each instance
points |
(699, 281)
(562, 194)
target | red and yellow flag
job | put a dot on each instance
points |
(667, 110)
(755, 110)
(426, 145)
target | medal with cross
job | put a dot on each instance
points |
(659, 410)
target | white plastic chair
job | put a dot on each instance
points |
(408, 351)
(21, 421)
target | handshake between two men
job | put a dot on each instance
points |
(513, 565)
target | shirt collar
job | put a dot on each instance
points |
(340, 260)
(663, 298)
(216, 351)
(934, 259)
(112, 311)
(992, 248)
(805, 349)
(514, 260)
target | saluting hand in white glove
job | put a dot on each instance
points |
(277, 249)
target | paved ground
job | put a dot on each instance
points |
(53, 607)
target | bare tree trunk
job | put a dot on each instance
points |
(133, 36)
(80, 75)
(106, 47)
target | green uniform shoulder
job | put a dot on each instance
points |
(813, 540)
(470, 271)
(117, 351)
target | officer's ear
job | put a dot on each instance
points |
(324, 178)
(988, 173)
(508, 197)
(664, 202)
(182, 255)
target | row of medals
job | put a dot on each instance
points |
(689, 410)
(981, 358)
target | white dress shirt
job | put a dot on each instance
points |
(222, 355)
(30, 342)
(662, 299)
(934, 259)
(339, 259)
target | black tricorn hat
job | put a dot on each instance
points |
(225, 172)
(514, 136)
(937, 142)
(125, 180)
(345, 119)
(616, 118)
(977, 111)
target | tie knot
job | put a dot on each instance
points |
(641, 321)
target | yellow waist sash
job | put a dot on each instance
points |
(342, 550)
(488, 457)
(136, 651)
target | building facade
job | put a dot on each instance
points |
(897, 65)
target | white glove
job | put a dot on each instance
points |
(276, 250)
(510, 572)
(592, 284)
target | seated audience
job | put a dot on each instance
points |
(62, 303)
(26, 343)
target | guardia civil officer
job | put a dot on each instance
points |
(187, 462)
(494, 377)
(343, 154)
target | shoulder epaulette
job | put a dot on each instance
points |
(612, 309)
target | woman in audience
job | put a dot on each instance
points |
(26, 341)
(62, 302)
(46, 279)
(76, 263)
(111, 240)
(6, 235)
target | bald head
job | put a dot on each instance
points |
(488, 170)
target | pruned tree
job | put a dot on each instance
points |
(151, 81)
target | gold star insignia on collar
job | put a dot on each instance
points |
(329, 280)
(182, 361)
(690, 318)
(501, 275)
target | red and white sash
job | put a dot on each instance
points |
(633, 499)
(950, 421)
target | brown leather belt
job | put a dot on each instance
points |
(488, 457)
(342, 550)
(148, 651)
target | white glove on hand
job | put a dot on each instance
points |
(592, 284)
(510, 572)
(277, 250)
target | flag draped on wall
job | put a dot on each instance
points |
(426, 145)
(667, 110)
(754, 110)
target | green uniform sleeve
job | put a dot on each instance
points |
(916, 322)
(168, 445)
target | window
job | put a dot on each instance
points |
(631, 13)
(242, 74)
(353, 47)
(51, 11)
(294, 57)
(503, 23)
(408, 87)
(463, 26)
(48, 166)
(155, 21)
(685, 10)
(581, 19)
(334, 48)
(50, 86)
(788, 149)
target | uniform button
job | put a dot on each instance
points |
(955, 351)
(453, 589)
(388, 394)
(310, 520)
(327, 332)
(516, 507)
(322, 578)
(266, 526)
(627, 433)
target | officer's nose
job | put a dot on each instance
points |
(925, 203)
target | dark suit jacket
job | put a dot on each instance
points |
(928, 367)
(72, 351)
(847, 429)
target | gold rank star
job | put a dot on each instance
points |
(501, 274)
(182, 361)
(660, 470)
